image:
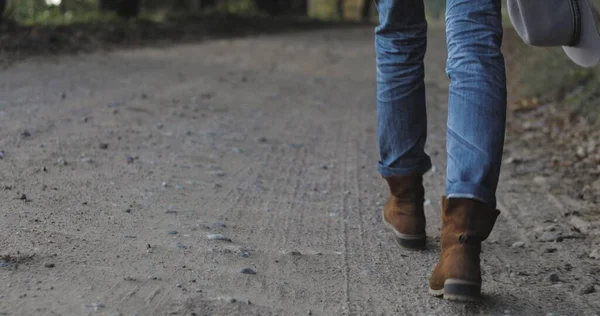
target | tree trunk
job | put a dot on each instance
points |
(123, 8)
(2, 9)
(365, 13)
(208, 4)
(279, 7)
(340, 9)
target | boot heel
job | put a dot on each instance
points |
(416, 243)
(460, 290)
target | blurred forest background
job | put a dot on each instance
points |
(537, 75)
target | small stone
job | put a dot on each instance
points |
(164, 184)
(217, 237)
(95, 306)
(144, 96)
(23, 197)
(218, 173)
(228, 299)
(518, 244)
(295, 253)
(180, 245)
(427, 203)
(540, 180)
(551, 237)
(248, 271)
(587, 289)
(172, 232)
(178, 285)
(103, 146)
(595, 254)
(130, 160)
(262, 139)
(49, 265)
(128, 210)
(552, 277)
(170, 212)
(61, 162)
(324, 167)
(130, 279)
(160, 125)
(63, 95)
(244, 254)
(549, 249)
(2, 154)
(26, 134)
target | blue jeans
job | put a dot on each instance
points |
(477, 99)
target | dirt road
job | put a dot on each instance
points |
(121, 171)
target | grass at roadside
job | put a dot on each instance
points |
(542, 75)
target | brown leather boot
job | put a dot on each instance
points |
(465, 224)
(403, 212)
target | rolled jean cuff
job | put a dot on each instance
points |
(420, 168)
(468, 190)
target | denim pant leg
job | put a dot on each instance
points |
(477, 100)
(400, 42)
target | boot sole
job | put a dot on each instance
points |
(406, 241)
(458, 290)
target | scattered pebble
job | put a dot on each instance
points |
(262, 139)
(217, 237)
(95, 306)
(2, 154)
(49, 265)
(540, 180)
(220, 224)
(130, 278)
(164, 184)
(180, 245)
(549, 249)
(587, 289)
(248, 271)
(295, 253)
(218, 173)
(130, 160)
(61, 162)
(427, 202)
(172, 232)
(552, 277)
(551, 237)
(595, 254)
(178, 285)
(170, 212)
(244, 254)
(23, 197)
(26, 134)
(518, 244)
(324, 167)
(103, 145)
(227, 299)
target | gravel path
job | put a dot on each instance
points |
(237, 177)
